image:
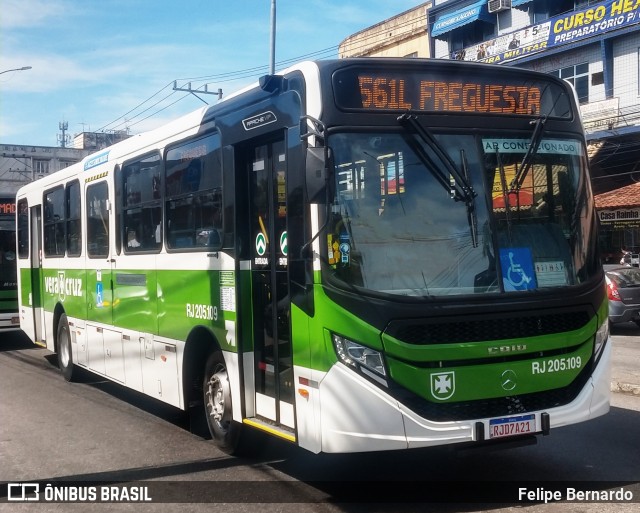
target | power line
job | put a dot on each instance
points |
(127, 120)
(253, 72)
(159, 111)
(360, 43)
(134, 108)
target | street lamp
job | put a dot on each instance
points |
(23, 68)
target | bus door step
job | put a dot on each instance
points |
(279, 431)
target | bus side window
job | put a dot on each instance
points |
(54, 222)
(73, 213)
(142, 206)
(193, 194)
(97, 220)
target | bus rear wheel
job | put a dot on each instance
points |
(65, 357)
(217, 403)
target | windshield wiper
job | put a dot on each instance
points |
(457, 184)
(505, 193)
(471, 206)
(536, 138)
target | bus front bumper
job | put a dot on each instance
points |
(358, 416)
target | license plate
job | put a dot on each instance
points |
(512, 426)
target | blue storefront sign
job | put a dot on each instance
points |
(456, 19)
(563, 29)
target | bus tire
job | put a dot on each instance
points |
(217, 404)
(65, 357)
(227, 434)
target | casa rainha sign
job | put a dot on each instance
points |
(622, 216)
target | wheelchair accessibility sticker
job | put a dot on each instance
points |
(517, 269)
(99, 295)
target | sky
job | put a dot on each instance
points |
(103, 65)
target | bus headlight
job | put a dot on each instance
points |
(363, 359)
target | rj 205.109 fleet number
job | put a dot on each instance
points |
(556, 365)
(204, 312)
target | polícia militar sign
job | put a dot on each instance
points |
(566, 28)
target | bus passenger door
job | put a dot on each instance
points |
(99, 281)
(36, 299)
(273, 368)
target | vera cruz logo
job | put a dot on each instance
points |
(62, 286)
(443, 385)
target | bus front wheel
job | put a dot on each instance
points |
(217, 403)
(65, 358)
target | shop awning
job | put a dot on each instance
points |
(516, 3)
(456, 19)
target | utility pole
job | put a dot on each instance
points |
(188, 89)
(272, 66)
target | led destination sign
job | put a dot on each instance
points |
(383, 93)
(7, 207)
(441, 92)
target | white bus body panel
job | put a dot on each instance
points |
(358, 416)
(7, 322)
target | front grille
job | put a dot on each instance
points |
(486, 328)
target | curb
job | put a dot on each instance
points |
(625, 388)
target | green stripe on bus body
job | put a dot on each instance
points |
(167, 303)
(491, 380)
(312, 335)
(192, 298)
(29, 291)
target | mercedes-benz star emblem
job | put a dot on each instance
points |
(509, 380)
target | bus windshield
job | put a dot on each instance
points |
(399, 224)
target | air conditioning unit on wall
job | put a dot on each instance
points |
(499, 5)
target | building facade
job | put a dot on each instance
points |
(619, 213)
(95, 141)
(595, 45)
(404, 35)
(21, 164)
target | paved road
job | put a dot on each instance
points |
(94, 430)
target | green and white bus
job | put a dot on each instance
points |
(352, 255)
(9, 320)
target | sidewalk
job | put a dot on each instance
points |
(625, 365)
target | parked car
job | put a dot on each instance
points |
(623, 291)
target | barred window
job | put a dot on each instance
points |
(578, 75)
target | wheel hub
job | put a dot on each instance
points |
(218, 398)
